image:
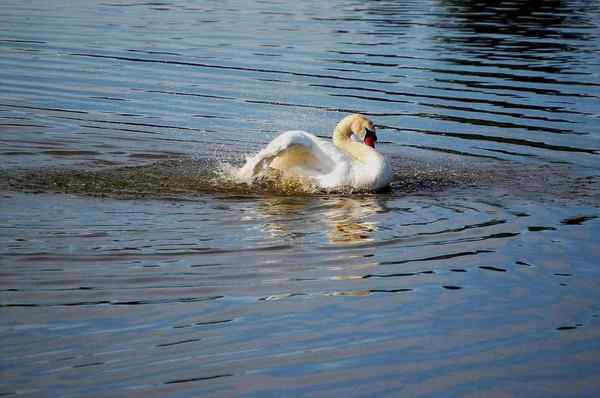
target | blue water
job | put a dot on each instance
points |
(129, 267)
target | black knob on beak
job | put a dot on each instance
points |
(370, 137)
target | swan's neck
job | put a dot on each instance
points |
(343, 132)
(341, 139)
(374, 172)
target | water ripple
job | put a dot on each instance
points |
(131, 266)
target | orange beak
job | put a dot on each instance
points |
(370, 138)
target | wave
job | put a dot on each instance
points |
(187, 178)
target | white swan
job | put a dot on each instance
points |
(343, 164)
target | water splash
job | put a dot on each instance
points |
(180, 178)
(186, 178)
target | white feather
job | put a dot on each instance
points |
(322, 163)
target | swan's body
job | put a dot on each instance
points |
(341, 164)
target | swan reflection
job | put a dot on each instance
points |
(344, 220)
(352, 220)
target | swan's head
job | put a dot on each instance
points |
(364, 129)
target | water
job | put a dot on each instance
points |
(131, 267)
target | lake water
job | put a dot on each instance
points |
(130, 266)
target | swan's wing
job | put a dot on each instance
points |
(297, 158)
(292, 150)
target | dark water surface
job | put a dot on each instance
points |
(129, 266)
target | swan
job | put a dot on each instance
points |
(343, 164)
